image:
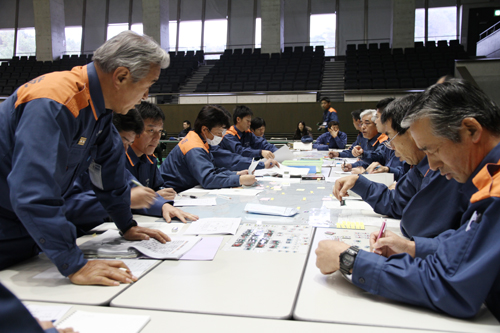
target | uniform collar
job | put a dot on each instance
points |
(134, 159)
(423, 166)
(373, 141)
(97, 98)
(492, 157)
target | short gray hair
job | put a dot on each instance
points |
(371, 112)
(133, 51)
(449, 103)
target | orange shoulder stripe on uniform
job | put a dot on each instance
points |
(232, 131)
(129, 159)
(192, 140)
(149, 159)
(67, 88)
(487, 182)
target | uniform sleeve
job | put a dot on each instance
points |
(203, 170)
(332, 116)
(400, 170)
(455, 277)
(36, 195)
(383, 200)
(262, 144)
(376, 155)
(341, 140)
(322, 142)
(114, 194)
(231, 143)
(156, 207)
(348, 152)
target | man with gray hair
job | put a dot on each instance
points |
(458, 128)
(53, 129)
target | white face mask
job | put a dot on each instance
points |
(215, 141)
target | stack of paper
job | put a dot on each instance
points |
(94, 322)
(270, 210)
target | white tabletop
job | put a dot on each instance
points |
(333, 299)
(240, 283)
(20, 280)
(163, 321)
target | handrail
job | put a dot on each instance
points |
(490, 30)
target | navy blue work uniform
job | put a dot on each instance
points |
(245, 143)
(54, 128)
(326, 141)
(386, 157)
(223, 158)
(145, 170)
(329, 115)
(190, 163)
(360, 141)
(456, 271)
(425, 201)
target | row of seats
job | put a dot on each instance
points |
(258, 86)
(392, 83)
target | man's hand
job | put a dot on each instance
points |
(357, 151)
(346, 167)
(141, 197)
(267, 154)
(333, 132)
(333, 154)
(376, 167)
(45, 325)
(270, 163)
(342, 185)
(167, 193)
(103, 272)
(242, 172)
(141, 233)
(327, 255)
(357, 170)
(170, 212)
(247, 180)
(390, 244)
(393, 186)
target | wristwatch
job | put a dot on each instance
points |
(347, 259)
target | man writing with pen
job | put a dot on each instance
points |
(458, 127)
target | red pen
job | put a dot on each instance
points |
(382, 229)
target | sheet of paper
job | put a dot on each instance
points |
(184, 202)
(95, 322)
(302, 146)
(110, 244)
(197, 191)
(283, 153)
(283, 181)
(349, 216)
(349, 204)
(206, 249)
(48, 312)
(174, 249)
(281, 170)
(214, 226)
(252, 166)
(137, 266)
(270, 210)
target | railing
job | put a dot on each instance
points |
(489, 31)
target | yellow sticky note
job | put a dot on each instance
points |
(338, 225)
(283, 193)
(304, 198)
(312, 192)
(331, 195)
(298, 208)
(300, 189)
(321, 188)
(272, 199)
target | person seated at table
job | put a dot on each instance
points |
(360, 140)
(186, 127)
(15, 317)
(142, 164)
(303, 132)
(224, 158)
(458, 127)
(190, 163)
(421, 195)
(382, 159)
(370, 134)
(258, 127)
(334, 138)
(240, 140)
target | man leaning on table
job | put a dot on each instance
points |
(56, 127)
(458, 127)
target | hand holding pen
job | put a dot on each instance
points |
(386, 243)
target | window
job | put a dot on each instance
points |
(322, 32)
(420, 25)
(73, 39)
(215, 35)
(442, 23)
(172, 35)
(190, 35)
(115, 28)
(6, 43)
(26, 44)
(258, 32)
(138, 28)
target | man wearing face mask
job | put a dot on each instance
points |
(190, 163)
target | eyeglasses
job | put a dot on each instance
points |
(388, 143)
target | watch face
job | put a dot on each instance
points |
(347, 259)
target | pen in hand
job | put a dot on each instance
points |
(382, 229)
